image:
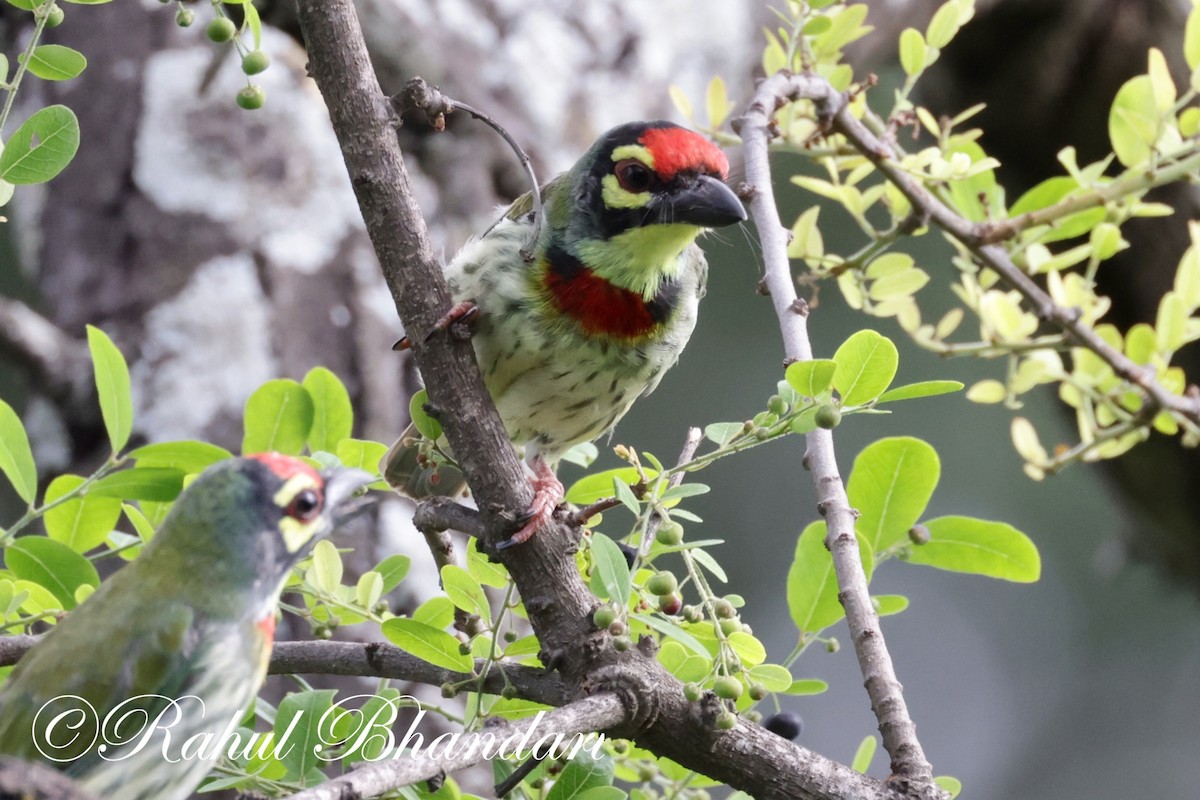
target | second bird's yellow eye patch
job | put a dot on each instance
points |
(296, 532)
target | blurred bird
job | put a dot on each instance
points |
(568, 339)
(181, 636)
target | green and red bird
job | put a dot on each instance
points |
(569, 339)
(179, 638)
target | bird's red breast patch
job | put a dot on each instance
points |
(285, 467)
(598, 306)
(266, 627)
(678, 148)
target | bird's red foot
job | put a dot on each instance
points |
(548, 492)
(466, 311)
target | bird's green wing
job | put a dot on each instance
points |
(94, 660)
(524, 204)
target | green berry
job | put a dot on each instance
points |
(832, 646)
(729, 626)
(622, 643)
(251, 97)
(221, 30)
(184, 17)
(727, 688)
(777, 405)
(828, 417)
(255, 61)
(692, 614)
(55, 17)
(618, 628)
(509, 692)
(662, 583)
(724, 609)
(448, 690)
(669, 533)
(757, 691)
(918, 534)
(647, 773)
(510, 636)
(726, 721)
(464, 648)
(604, 616)
(323, 632)
(692, 692)
(753, 716)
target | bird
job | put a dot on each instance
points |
(179, 638)
(571, 328)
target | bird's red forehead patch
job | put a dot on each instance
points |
(678, 148)
(285, 467)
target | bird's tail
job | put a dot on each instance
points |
(413, 477)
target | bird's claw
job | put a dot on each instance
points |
(466, 311)
(548, 493)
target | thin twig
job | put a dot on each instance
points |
(908, 762)
(417, 94)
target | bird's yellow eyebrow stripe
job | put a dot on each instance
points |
(294, 486)
(295, 533)
(637, 152)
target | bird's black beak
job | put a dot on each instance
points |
(705, 203)
(341, 487)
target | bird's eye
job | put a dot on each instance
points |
(632, 175)
(304, 506)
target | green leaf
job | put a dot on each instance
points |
(949, 784)
(912, 391)
(1191, 40)
(53, 62)
(611, 569)
(811, 583)
(979, 547)
(393, 569)
(583, 454)
(890, 485)
(186, 455)
(428, 643)
(773, 677)
(623, 493)
(112, 387)
(683, 665)
(705, 559)
(807, 686)
(278, 417)
(429, 427)
(811, 378)
(160, 484)
(465, 592)
(42, 147)
(723, 433)
(89, 2)
(1133, 121)
(749, 649)
(436, 612)
(888, 604)
(866, 364)
(80, 523)
(584, 772)
(305, 710)
(16, 459)
(601, 793)
(483, 570)
(361, 454)
(333, 416)
(50, 564)
(863, 755)
(912, 51)
(599, 485)
(674, 633)
(326, 570)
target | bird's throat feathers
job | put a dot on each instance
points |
(613, 300)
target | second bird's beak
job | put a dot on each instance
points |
(341, 487)
(706, 203)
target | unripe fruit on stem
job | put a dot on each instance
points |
(757, 691)
(724, 609)
(670, 604)
(221, 30)
(832, 646)
(726, 721)
(251, 97)
(184, 17)
(662, 583)
(727, 688)
(622, 643)
(55, 17)
(618, 628)
(255, 61)
(828, 417)
(509, 692)
(692, 614)
(604, 616)
(918, 534)
(448, 690)
(777, 405)
(669, 533)
(692, 692)
(729, 626)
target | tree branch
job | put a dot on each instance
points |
(908, 761)
(31, 780)
(655, 712)
(580, 717)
